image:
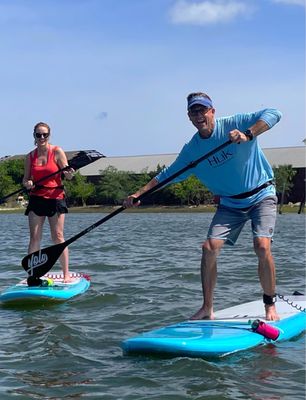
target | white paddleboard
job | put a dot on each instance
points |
(230, 332)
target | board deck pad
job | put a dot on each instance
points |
(228, 333)
(56, 292)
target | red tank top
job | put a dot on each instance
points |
(50, 188)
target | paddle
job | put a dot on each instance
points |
(40, 262)
(81, 159)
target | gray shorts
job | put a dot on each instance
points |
(228, 222)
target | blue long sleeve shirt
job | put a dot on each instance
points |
(238, 168)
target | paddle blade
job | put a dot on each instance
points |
(40, 262)
(83, 158)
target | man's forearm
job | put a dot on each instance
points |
(153, 182)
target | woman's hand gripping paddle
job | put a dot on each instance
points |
(40, 262)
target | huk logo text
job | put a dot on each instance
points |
(220, 158)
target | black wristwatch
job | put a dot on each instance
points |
(249, 134)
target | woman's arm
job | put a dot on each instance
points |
(61, 160)
(27, 180)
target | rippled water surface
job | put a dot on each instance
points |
(145, 274)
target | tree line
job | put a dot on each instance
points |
(113, 186)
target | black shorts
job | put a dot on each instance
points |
(46, 207)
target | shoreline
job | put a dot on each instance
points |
(145, 209)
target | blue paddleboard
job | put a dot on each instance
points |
(230, 332)
(57, 291)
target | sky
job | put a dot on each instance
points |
(113, 76)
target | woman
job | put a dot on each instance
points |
(48, 198)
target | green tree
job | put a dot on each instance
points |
(15, 169)
(11, 174)
(191, 191)
(7, 184)
(78, 189)
(116, 185)
(283, 180)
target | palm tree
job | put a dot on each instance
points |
(283, 179)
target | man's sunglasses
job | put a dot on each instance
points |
(195, 111)
(41, 135)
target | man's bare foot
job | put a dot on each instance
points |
(203, 313)
(271, 314)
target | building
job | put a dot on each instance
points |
(294, 156)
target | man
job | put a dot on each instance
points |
(242, 178)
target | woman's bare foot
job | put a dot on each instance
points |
(67, 278)
(203, 313)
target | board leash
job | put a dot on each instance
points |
(291, 303)
(72, 275)
(48, 279)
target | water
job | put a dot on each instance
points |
(145, 274)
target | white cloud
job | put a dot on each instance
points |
(291, 2)
(207, 12)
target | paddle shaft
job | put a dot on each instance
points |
(40, 262)
(146, 193)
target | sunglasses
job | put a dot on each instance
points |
(202, 111)
(41, 135)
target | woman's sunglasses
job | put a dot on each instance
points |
(41, 135)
